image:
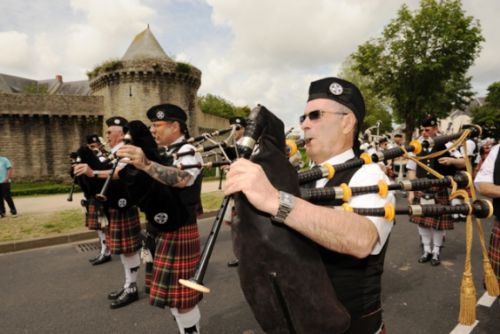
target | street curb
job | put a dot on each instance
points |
(15, 246)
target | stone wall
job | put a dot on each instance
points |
(209, 123)
(37, 133)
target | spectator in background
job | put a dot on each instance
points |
(6, 173)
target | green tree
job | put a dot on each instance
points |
(218, 106)
(376, 106)
(488, 115)
(421, 60)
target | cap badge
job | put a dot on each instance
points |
(122, 202)
(160, 114)
(116, 121)
(336, 89)
(161, 218)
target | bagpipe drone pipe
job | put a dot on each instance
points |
(162, 207)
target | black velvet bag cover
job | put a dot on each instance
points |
(164, 211)
(281, 272)
(90, 185)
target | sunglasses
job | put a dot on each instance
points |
(316, 114)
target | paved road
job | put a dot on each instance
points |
(55, 290)
(49, 203)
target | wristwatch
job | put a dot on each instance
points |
(286, 205)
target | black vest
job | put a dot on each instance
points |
(434, 164)
(496, 181)
(191, 199)
(356, 281)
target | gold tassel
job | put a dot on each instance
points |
(467, 315)
(490, 279)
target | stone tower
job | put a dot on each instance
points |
(143, 77)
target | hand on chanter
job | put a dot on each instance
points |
(83, 169)
(249, 178)
(133, 155)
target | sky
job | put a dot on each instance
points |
(249, 51)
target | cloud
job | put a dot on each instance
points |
(18, 54)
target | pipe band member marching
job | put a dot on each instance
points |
(431, 229)
(352, 247)
(95, 217)
(178, 250)
(123, 236)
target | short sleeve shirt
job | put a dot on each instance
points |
(4, 167)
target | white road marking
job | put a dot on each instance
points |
(462, 329)
(486, 300)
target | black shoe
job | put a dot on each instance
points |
(115, 294)
(425, 257)
(233, 263)
(101, 259)
(91, 260)
(129, 295)
(191, 330)
(435, 261)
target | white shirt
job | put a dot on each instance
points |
(367, 175)
(485, 174)
(188, 160)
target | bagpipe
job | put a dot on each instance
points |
(162, 207)
(75, 159)
(89, 185)
(271, 255)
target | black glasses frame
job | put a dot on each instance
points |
(316, 114)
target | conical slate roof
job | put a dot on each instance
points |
(145, 46)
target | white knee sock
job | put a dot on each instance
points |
(102, 239)
(187, 320)
(131, 265)
(437, 240)
(426, 236)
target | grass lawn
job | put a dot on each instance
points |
(36, 225)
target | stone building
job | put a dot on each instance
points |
(41, 122)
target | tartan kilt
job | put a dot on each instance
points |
(443, 222)
(177, 255)
(93, 215)
(494, 249)
(123, 234)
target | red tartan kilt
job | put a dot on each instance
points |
(443, 222)
(494, 249)
(123, 235)
(92, 216)
(177, 255)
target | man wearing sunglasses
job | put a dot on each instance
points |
(352, 247)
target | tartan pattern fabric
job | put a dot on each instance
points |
(148, 276)
(123, 234)
(443, 222)
(494, 249)
(177, 255)
(92, 215)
